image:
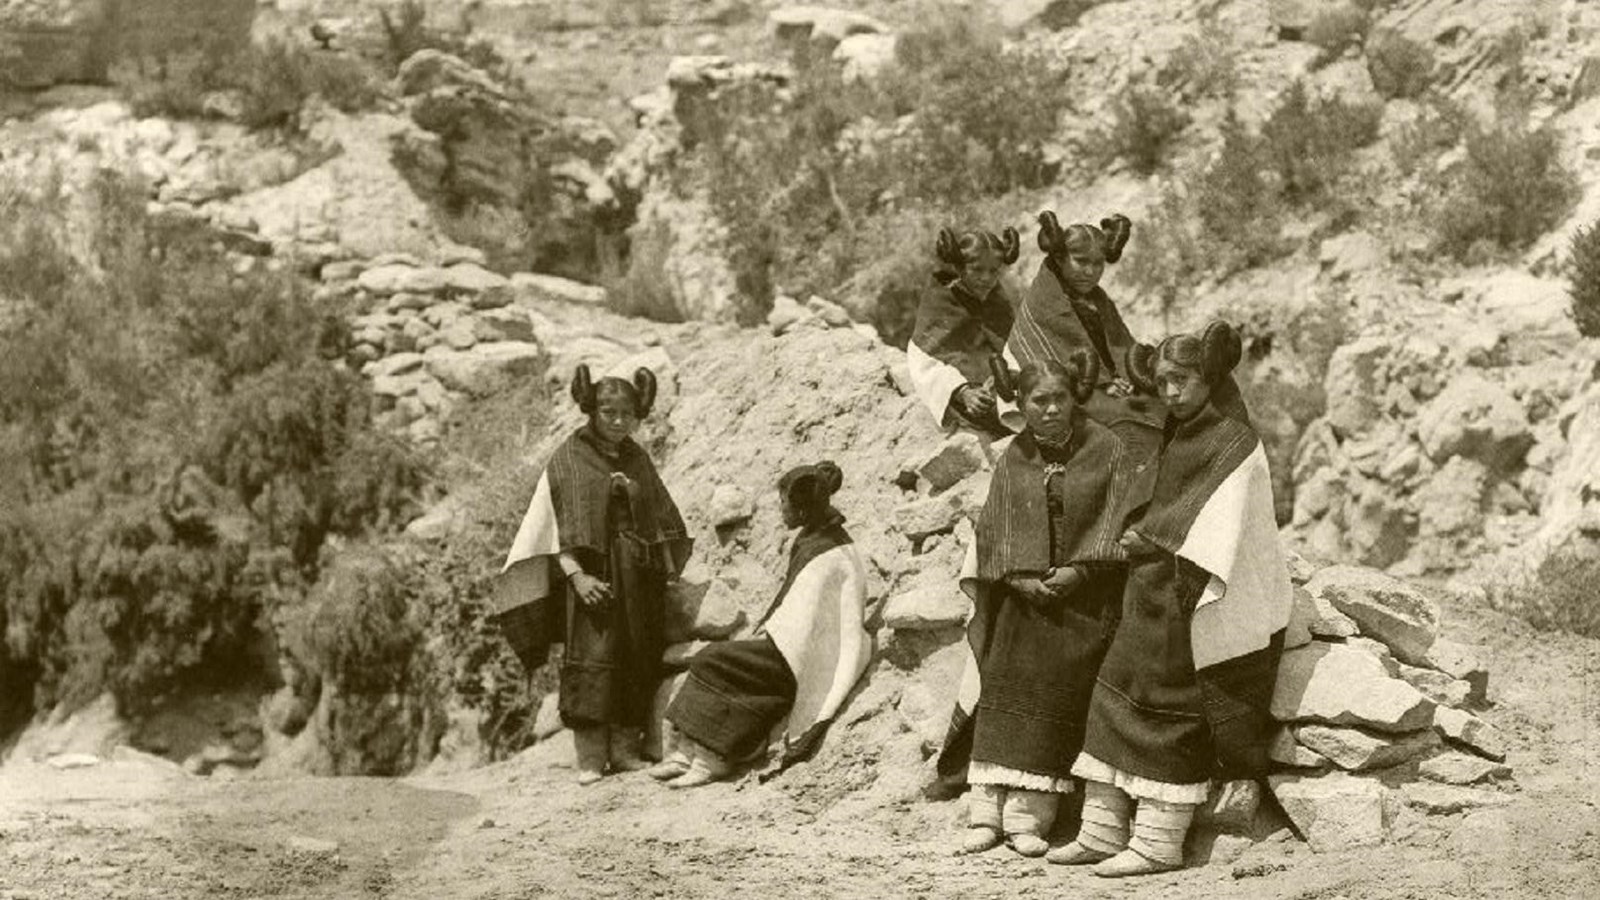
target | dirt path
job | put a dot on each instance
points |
(519, 829)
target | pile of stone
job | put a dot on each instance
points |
(1376, 712)
(433, 335)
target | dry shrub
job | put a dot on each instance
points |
(1060, 14)
(1583, 275)
(1145, 122)
(1510, 187)
(1311, 143)
(643, 290)
(1562, 595)
(1205, 65)
(1337, 29)
(1400, 67)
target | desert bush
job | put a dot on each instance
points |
(356, 626)
(1583, 276)
(271, 82)
(1144, 122)
(1059, 14)
(643, 289)
(1174, 256)
(1336, 29)
(1399, 66)
(1310, 143)
(797, 178)
(1561, 596)
(1236, 204)
(1510, 187)
(1418, 144)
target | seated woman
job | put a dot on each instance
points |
(963, 320)
(810, 649)
(1065, 310)
(1184, 692)
(1045, 574)
(589, 567)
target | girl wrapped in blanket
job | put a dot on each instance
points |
(1045, 573)
(1184, 691)
(589, 568)
(963, 320)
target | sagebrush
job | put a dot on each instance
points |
(1583, 278)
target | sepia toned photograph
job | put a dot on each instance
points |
(690, 449)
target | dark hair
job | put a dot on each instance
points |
(809, 488)
(1213, 353)
(1080, 373)
(957, 251)
(1108, 239)
(641, 391)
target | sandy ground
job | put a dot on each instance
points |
(138, 828)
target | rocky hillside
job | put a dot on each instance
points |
(1428, 413)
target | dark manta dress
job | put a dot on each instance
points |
(1154, 716)
(1047, 507)
(737, 691)
(629, 534)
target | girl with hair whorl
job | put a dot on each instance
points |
(964, 319)
(809, 649)
(1045, 574)
(1065, 310)
(1184, 692)
(588, 569)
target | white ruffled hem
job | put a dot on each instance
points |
(1004, 776)
(1091, 769)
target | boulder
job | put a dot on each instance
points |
(471, 278)
(1378, 649)
(930, 605)
(927, 699)
(72, 761)
(1318, 618)
(1462, 769)
(1340, 685)
(393, 365)
(506, 324)
(832, 314)
(1447, 800)
(863, 56)
(485, 369)
(1467, 730)
(1464, 663)
(787, 313)
(443, 521)
(957, 456)
(730, 506)
(1384, 608)
(793, 26)
(1301, 569)
(532, 289)
(1353, 384)
(1231, 807)
(1356, 749)
(703, 608)
(395, 278)
(1334, 812)
(1435, 685)
(1478, 419)
(547, 721)
(1354, 253)
(928, 516)
(1287, 751)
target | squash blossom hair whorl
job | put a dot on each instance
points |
(641, 391)
(957, 251)
(1107, 240)
(810, 488)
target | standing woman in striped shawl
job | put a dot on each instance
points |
(1065, 311)
(1184, 691)
(809, 650)
(963, 321)
(589, 568)
(1045, 574)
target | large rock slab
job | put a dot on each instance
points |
(532, 289)
(957, 456)
(1382, 607)
(1231, 807)
(1447, 800)
(485, 368)
(1478, 419)
(1316, 617)
(1334, 812)
(1285, 750)
(928, 516)
(931, 604)
(1435, 685)
(1462, 662)
(1462, 769)
(1467, 730)
(729, 506)
(1339, 685)
(396, 278)
(1357, 750)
